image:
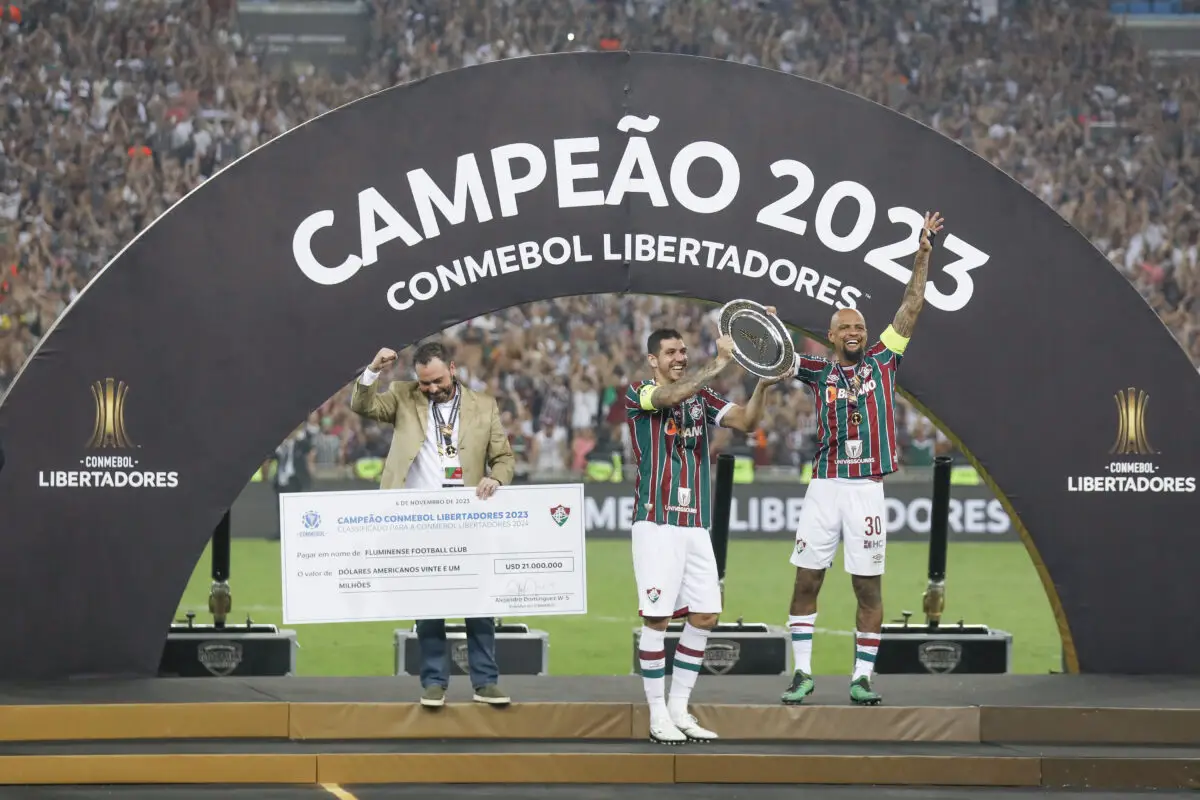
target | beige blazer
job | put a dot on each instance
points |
(482, 443)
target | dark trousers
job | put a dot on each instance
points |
(481, 652)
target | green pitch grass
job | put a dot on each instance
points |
(988, 583)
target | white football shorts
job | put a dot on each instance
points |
(675, 569)
(847, 510)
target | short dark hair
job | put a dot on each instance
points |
(654, 343)
(429, 351)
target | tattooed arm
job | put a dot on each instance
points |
(914, 294)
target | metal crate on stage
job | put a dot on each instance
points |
(948, 649)
(741, 648)
(205, 651)
(519, 650)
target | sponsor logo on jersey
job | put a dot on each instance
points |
(690, 432)
(835, 393)
(674, 428)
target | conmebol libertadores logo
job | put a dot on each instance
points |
(119, 470)
(1133, 468)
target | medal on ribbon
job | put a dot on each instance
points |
(446, 427)
(853, 387)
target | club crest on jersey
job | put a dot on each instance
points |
(696, 411)
(653, 594)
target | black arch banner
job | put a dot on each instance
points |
(154, 398)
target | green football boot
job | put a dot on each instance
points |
(802, 687)
(861, 693)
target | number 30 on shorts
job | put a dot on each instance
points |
(874, 526)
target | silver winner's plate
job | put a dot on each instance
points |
(761, 343)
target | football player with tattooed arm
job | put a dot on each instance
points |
(856, 448)
(673, 560)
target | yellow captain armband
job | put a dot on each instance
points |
(894, 341)
(645, 395)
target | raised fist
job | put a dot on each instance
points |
(383, 358)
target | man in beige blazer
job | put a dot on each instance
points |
(445, 435)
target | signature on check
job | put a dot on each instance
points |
(528, 586)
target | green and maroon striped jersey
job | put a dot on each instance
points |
(671, 447)
(844, 449)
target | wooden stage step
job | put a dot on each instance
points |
(1062, 732)
(515, 762)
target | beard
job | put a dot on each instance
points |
(853, 356)
(441, 395)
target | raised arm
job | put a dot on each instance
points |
(671, 394)
(914, 294)
(365, 399)
(368, 402)
(746, 418)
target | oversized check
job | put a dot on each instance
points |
(444, 553)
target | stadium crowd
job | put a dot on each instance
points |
(114, 109)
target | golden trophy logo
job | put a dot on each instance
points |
(1131, 424)
(109, 396)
